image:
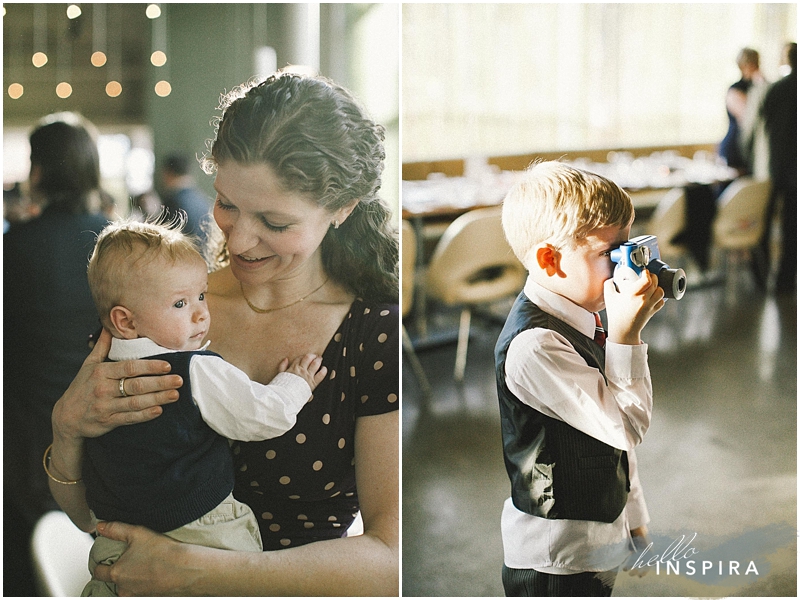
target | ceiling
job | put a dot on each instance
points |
(69, 45)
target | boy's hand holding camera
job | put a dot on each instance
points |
(629, 309)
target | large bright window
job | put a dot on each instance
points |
(500, 79)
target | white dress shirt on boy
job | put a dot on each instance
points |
(544, 371)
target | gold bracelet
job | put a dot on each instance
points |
(49, 474)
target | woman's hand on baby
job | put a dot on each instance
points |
(309, 367)
(630, 307)
(149, 565)
(93, 405)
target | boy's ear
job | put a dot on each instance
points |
(122, 320)
(549, 260)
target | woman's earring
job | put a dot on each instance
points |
(336, 224)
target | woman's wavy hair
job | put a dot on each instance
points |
(319, 141)
(64, 148)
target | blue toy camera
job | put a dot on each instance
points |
(642, 253)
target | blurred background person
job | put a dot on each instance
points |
(752, 137)
(17, 206)
(736, 105)
(779, 112)
(48, 316)
(181, 193)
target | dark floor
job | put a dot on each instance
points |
(718, 465)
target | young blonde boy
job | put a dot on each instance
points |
(174, 474)
(573, 404)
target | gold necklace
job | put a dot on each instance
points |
(262, 311)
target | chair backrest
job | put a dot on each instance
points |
(668, 220)
(473, 263)
(408, 241)
(741, 214)
(60, 554)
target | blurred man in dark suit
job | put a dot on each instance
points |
(779, 112)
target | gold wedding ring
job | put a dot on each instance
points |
(122, 387)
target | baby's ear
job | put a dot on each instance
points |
(548, 259)
(122, 320)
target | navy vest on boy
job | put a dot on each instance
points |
(164, 473)
(556, 471)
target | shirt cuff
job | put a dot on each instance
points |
(294, 384)
(624, 361)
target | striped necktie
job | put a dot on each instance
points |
(599, 332)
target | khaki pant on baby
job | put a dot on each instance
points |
(230, 526)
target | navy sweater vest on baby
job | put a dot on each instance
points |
(164, 473)
(556, 471)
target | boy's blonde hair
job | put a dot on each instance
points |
(560, 205)
(125, 246)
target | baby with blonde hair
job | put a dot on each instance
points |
(174, 474)
(121, 256)
(573, 404)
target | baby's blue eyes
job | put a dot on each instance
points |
(182, 303)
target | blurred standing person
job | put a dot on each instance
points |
(17, 207)
(752, 137)
(779, 112)
(48, 316)
(736, 104)
(181, 193)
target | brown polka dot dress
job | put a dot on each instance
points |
(301, 485)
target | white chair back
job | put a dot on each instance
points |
(741, 214)
(668, 220)
(60, 556)
(473, 263)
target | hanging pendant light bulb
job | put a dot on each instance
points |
(99, 57)
(73, 11)
(163, 89)
(63, 90)
(159, 56)
(15, 91)
(39, 58)
(15, 70)
(64, 66)
(153, 11)
(114, 87)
